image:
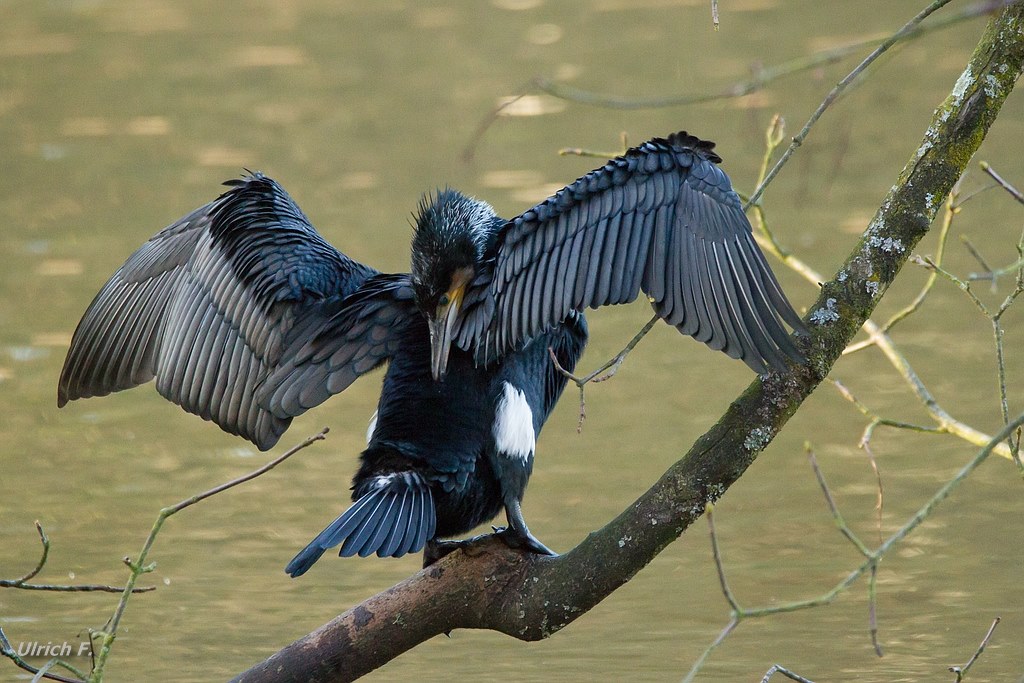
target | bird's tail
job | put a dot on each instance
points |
(395, 516)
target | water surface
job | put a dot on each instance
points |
(119, 117)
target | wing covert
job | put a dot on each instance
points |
(338, 345)
(205, 307)
(662, 219)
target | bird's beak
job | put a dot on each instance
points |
(441, 326)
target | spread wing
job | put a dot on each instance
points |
(335, 349)
(664, 219)
(208, 305)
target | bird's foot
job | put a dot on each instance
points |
(517, 536)
(435, 549)
(520, 539)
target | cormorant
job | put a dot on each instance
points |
(247, 317)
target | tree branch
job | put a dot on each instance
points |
(531, 597)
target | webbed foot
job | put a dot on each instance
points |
(522, 539)
(518, 535)
(434, 550)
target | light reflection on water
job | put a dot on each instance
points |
(120, 117)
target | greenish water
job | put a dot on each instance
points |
(118, 117)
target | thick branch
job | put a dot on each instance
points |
(531, 597)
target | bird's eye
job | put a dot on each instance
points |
(444, 300)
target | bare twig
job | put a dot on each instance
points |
(1014, 192)
(39, 565)
(874, 422)
(872, 558)
(7, 650)
(737, 613)
(481, 129)
(836, 516)
(785, 672)
(609, 368)
(773, 137)
(23, 582)
(873, 609)
(961, 671)
(975, 253)
(581, 152)
(762, 76)
(139, 567)
(997, 333)
(836, 91)
(850, 536)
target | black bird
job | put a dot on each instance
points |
(247, 317)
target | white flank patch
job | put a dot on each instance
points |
(513, 425)
(371, 428)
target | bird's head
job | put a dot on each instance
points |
(452, 232)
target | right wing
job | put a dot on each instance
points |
(208, 305)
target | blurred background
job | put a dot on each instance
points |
(118, 117)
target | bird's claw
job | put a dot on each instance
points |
(513, 538)
(435, 550)
(523, 540)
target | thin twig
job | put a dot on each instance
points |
(961, 671)
(42, 558)
(946, 422)
(873, 609)
(1014, 192)
(837, 517)
(773, 137)
(717, 555)
(581, 152)
(785, 672)
(7, 650)
(993, 275)
(975, 253)
(23, 582)
(761, 78)
(609, 368)
(997, 333)
(872, 558)
(836, 91)
(481, 129)
(699, 663)
(865, 445)
(139, 567)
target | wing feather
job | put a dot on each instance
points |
(205, 306)
(662, 219)
(598, 285)
(349, 339)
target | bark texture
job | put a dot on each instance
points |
(531, 597)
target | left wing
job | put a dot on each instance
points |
(662, 219)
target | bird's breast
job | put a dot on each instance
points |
(446, 422)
